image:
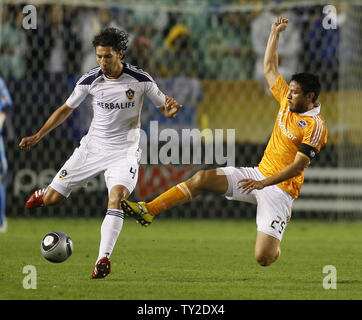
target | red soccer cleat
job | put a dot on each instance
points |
(36, 199)
(102, 268)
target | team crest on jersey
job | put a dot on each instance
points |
(63, 174)
(130, 94)
(302, 124)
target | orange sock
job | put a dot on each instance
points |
(175, 196)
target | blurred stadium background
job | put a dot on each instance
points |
(206, 54)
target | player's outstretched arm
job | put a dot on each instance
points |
(57, 118)
(297, 167)
(170, 108)
(271, 71)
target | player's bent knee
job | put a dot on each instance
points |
(267, 249)
(199, 179)
(266, 259)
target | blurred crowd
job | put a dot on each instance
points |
(205, 45)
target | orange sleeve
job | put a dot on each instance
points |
(280, 89)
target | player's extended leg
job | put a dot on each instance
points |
(267, 249)
(75, 171)
(110, 230)
(46, 196)
(213, 180)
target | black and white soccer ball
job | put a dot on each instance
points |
(56, 246)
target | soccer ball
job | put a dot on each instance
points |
(56, 246)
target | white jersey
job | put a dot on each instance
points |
(117, 105)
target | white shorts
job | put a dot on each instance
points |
(274, 205)
(86, 162)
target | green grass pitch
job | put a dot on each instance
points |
(181, 259)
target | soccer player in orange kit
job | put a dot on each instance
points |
(298, 135)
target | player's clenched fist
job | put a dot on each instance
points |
(280, 24)
(28, 142)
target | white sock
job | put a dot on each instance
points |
(110, 229)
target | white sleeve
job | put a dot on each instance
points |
(79, 93)
(155, 94)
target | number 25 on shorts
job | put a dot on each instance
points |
(278, 224)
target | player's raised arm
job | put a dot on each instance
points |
(57, 118)
(271, 52)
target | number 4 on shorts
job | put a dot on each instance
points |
(133, 171)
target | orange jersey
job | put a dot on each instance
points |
(293, 133)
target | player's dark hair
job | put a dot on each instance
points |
(308, 82)
(112, 37)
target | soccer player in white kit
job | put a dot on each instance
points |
(112, 142)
